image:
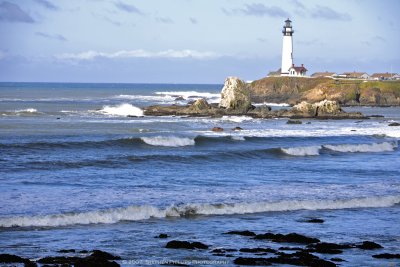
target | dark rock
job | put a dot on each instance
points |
(257, 250)
(98, 258)
(376, 116)
(162, 236)
(94, 262)
(252, 261)
(290, 248)
(289, 238)
(237, 128)
(294, 122)
(243, 233)
(369, 245)
(9, 258)
(83, 251)
(217, 129)
(387, 256)
(223, 250)
(175, 244)
(337, 259)
(394, 124)
(179, 98)
(315, 220)
(98, 254)
(329, 246)
(300, 258)
(59, 260)
(30, 264)
(66, 251)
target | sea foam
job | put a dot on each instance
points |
(136, 213)
(302, 151)
(170, 141)
(374, 147)
(122, 110)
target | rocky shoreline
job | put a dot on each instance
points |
(293, 249)
(236, 101)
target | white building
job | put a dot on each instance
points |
(288, 68)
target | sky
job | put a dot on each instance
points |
(191, 41)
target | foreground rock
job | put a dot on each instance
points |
(289, 238)
(175, 244)
(98, 258)
(9, 258)
(298, 258)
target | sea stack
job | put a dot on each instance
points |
(235, 95)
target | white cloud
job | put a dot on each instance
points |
(91, 55)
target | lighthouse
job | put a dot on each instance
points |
(287, 49)
(288, 68)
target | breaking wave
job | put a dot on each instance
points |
(122, 110)
(302, 151)
(21, 112)
(170, 141)
(375, 147)
(136, 213)
(191, 95)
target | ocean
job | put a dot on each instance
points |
(82, 168)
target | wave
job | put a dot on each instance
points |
(22, 112)
(237, 119)
(271, 104)
(210, 97)
(302, 151)
(122, 110)
(170, 141)
(137, 213)
(374, 147)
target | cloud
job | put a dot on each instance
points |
(379, 38)
(258, 10)
(193, 20)
(57, 37)
(13, 13)
(127, 8)
(47, 4)
(325, 12)
(165, 20)
(91, 55)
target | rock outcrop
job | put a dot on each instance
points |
(323, 108)
(235, 100)
(292, 90)
(235, 95)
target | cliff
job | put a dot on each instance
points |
(293, 90)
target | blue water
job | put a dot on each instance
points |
(77, 172)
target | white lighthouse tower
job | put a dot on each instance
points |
(287, 49)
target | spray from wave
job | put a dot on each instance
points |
(136, 213)
(122, 110)
(168, 141)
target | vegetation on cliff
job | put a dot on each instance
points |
(293, 90)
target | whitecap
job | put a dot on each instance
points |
(170, 141)
(237, 119)
(122, 110)
(302, 151)
(374, 147)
